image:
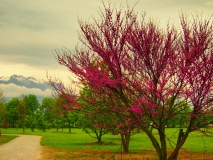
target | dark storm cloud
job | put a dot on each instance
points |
(31, 55)
(26, 15)
(30, 31)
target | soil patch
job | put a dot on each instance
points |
(2, 139)
(100, 143)
(91, 154)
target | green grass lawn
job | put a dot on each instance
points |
(6, 138)
(196, 142)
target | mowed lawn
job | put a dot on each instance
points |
(77, 139)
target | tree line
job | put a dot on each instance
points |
(26, 111)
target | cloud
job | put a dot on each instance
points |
(12, 90)
(30, 31)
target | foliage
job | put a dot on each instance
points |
(46, 109)
(2, 107)
(22, 112)
(6, 138)
(92, 120)
(68, 116)
(182, 119)
(12, 111)
(41, 123)
(93, 127)
(32, 104)
(100, 115)
(72, 119)
(31, 122)
(58, 112)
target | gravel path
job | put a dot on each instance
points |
(24, 147)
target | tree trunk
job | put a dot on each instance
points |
(181, 139)
(163, 154)
(151, 128)
(62, 127)
(173, 124)
(99, 138)
(98, 135)
(56, 125)
(125, 138)
(23, 127)
(180, 142)
(180, 123)
(6, 124)
(69, 126)
(153, 140)
(180, 135)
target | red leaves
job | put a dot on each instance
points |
(197, 67)
(147, 70)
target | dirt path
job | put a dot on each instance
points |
(24, 147)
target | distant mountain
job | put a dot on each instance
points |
(28, 82)
(16, 85)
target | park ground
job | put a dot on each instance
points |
(78, 145)
(88, 154)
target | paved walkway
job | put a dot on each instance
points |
(24, 147)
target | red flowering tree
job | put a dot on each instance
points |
(150, 70)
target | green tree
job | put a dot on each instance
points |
(12, 111)
(2, 107)
(32, 104)
(68, 116)
(62, 114)
(92, 120)
(72, 119)
(22, 112)
(94, 125)
(41, 122)
(31, 122)
(58, 112)
(32, 107)
(46, 108)
(98, 119)
(182, 118)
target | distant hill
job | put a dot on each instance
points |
(16, 85)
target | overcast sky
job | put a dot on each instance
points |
(30, 30)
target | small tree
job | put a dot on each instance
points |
(2, 108)
(41, 123)
(46, 109)
(31, 122)
(72, 119)
(22, 112)
(68, 116)
(32, 107)
(12, 111)
(58, 112)
(93, 128)
(31, 103)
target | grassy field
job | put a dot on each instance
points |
(6, 138)
(77, 139)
